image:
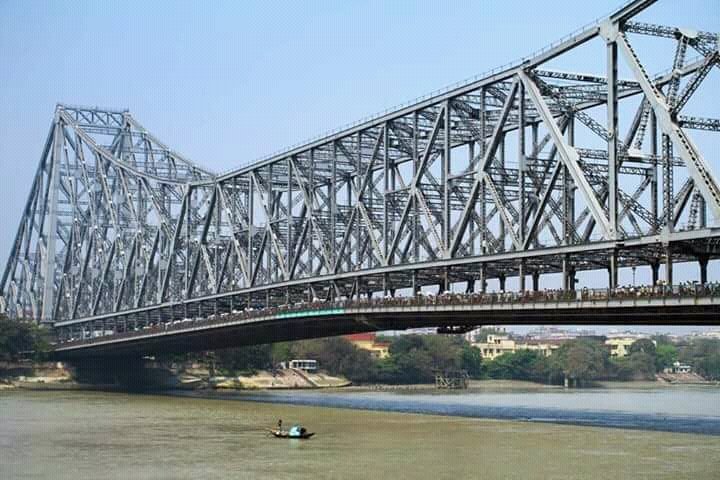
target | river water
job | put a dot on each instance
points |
(79, 435)
(687, 409)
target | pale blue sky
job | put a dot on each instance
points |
(226, 82)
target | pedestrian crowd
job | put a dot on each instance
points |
(122, 328)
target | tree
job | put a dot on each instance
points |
(520, 365)
(644, 345)
(581, 360)
(637, 366)
(414, 366)
(336, 355)
(709, 367)
(471, 361)
(244, 359)
(704, 355)
(665, 355)
(417, 358)
(21, 338)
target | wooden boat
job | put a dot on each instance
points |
(302, 435)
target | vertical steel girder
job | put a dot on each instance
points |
(116, 220)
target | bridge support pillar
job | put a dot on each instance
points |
(703, 261)
(355, 291)
(567, 284)
(536, 281)
(501, 279)
(521, 275)
(655, 269)
(415, 286)
(483, 279)
(444, 284)
(446, 280)
(668, 266)
(613, 270)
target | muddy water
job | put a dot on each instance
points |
(78, 435)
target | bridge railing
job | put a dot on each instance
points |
(88, 334)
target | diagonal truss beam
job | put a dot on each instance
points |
(568, 154)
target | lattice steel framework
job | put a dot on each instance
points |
(485, 181)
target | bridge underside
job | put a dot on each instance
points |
(231, 332)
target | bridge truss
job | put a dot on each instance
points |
(528, 171)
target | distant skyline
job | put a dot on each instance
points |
(227, 82)
(606, 329)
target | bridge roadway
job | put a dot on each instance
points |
(680, 305)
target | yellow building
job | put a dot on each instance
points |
(497, 345)
(620, 346)
(368, 341)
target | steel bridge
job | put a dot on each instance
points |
(526, 171)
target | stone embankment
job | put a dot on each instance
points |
(278, 380)
(683, 378)
(36, 376)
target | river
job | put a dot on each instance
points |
(72, 435)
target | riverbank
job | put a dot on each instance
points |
(67, 435)
(38, 376)
(155, 376)
(59, 376)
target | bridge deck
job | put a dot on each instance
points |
(690, 306)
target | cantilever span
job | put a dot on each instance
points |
(526, 172)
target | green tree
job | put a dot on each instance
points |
(520, 365)
(709, 367)
(703, 354)
(471, 361)
(637, 366)
(244, 359)
(417, 358)
(581, 360)
(644, 345)
(665, 355)
(414, 366)
(20, 338)
(336, 355)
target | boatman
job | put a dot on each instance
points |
(280, 425)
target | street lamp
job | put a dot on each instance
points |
(633, 270)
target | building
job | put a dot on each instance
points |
(368, 341)
(305, 365)
(558, 334)
(473, 335)
(711, 334)
(497, 345)
(620, 346)
(678, 367)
